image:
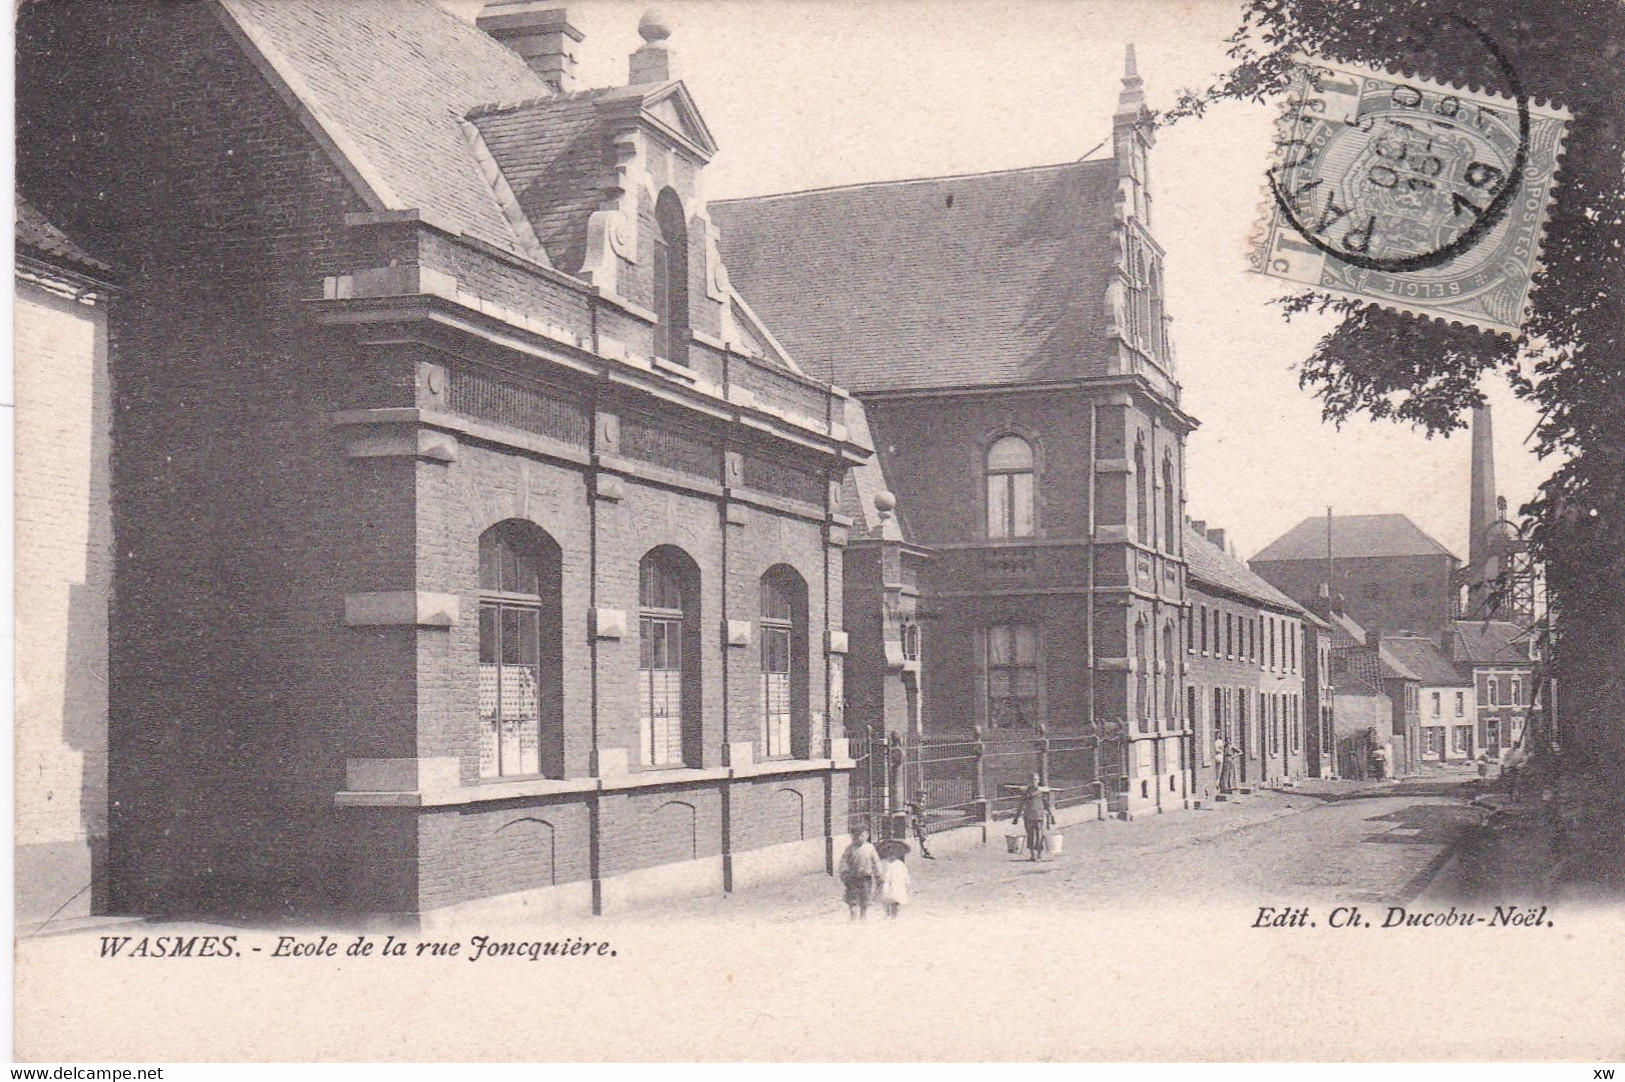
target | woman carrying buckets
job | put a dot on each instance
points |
(1037, 812)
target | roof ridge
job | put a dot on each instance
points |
(491, 107)
(904, 180)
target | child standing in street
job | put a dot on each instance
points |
(893, 883)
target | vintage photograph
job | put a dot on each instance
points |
(921, 530)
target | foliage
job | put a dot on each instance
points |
(1570, 360)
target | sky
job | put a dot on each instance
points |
(806, 94)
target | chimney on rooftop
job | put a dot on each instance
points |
(1200, 527)
(539, 33)
(1216, 539)
(653, 61)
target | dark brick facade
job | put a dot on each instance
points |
(319, 408)
(1385, 594)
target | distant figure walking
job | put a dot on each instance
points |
(1483, 766)
(1037, 813)
(916, 818)
(860, 872)
(893, 883)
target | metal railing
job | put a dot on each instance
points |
(960, 781)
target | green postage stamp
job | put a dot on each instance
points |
(1417, 196)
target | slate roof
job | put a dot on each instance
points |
(1492, 642)
(555, 156)
(863, 483)
(36, 233)
(1207, 563)
(1353, 536)
(390, 81)
(1389, 665)
(1422, 658)
(990, 279)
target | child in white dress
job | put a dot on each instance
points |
(893, 884)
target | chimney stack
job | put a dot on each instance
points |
(1216, 539)
(653, 61)
(539, 33)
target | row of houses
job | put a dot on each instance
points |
(475, 518)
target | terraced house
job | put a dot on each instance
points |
(1247, 648)
(475, 541)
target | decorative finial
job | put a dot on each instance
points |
(1129, 70)
(885, 503)
(653, 26)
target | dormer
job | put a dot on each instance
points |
(611, 180)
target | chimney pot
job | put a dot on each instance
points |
(539, 33)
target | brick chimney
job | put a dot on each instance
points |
(540, 33)
(1216, 539)
(653, 62)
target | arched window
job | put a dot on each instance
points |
(671, 278)
(1170, 675)
(521, 653)
(1142, 496)
(1010, 488)
(784, 664)
(668, 659)
(1142, 677)
(1170, 506)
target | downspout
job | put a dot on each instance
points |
(727, 650)
(595, 848)
(1089, 600)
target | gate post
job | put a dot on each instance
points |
(979, 792)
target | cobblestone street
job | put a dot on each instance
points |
(1325, 842)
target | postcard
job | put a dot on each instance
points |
(818, 532)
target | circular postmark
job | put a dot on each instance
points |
(1396, 176)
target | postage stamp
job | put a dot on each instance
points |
(1421, 197)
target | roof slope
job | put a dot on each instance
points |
(1422, 658)
(555, 156)
(863, 483)
(1353, 536)
(1210, 564)
(1488, 642)
(35, 232)
(390, 81)
(995, 278)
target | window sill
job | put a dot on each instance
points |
(485, 792)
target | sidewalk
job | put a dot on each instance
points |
(963, 863)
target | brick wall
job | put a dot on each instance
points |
(1387, 593)
(237, 692)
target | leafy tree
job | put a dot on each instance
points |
(1569, 358)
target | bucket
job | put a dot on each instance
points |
(1014, 842)
(1055, 843)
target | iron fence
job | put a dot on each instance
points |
(958, 781)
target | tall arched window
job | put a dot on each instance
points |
(1170, 675)
(1142, 496)
(1010, 488)
(668, 659)
(671, 278)
(521, 653)
(1170, 506)
(784, 663)
(1142, 677)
